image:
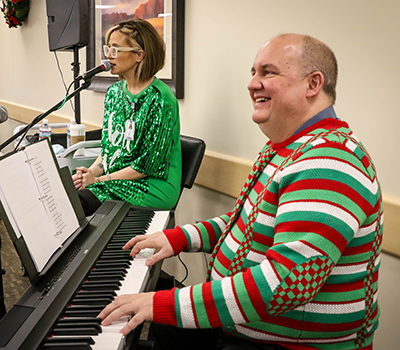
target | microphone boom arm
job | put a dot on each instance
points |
(85, 85)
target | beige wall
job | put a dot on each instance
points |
(222, 38)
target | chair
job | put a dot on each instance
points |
(192, 155)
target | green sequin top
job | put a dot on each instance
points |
(155, 149)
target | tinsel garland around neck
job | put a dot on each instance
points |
(15, 12)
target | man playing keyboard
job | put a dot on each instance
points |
(295, 264)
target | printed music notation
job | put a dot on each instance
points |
(35, 201)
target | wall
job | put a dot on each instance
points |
(222, 38)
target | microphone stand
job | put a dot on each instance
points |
(85, 85)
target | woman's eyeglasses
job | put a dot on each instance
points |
(113, 50)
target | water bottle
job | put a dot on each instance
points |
(69, 142)
(44, 130)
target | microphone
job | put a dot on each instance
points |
(3, 114)
(103, 67)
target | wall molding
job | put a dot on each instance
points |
(25, 115)
(226, 175)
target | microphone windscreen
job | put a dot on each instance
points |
(3, 114)
(107, 65)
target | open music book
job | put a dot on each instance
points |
(35, 201)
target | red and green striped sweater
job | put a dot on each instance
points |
(296, 262)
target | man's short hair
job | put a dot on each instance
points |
(317, 56)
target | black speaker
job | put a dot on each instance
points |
(68, 23)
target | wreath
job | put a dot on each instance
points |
(15, 12)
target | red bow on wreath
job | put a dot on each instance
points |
(15, 12)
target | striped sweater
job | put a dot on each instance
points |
(296, 262)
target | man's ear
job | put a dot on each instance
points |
(315, 83)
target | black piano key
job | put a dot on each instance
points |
(134, 224)
(103, 281)
(69, 324)
(75, 331)
(122, 238)
(116, 245)
(130, 230)
(94, 294)
(105, 269)
(78, 300)
(102, 276)
(118, 253)
(102, 292)
(114, 257)
(83, 307)
(83, 313)
(133, 231)
(112, 263)
(109, 262)
(60, 339)
(72, 325)
(92, 301)
(115, 249)
(80, 330)
(137, 218)
(105, 273)
(80, 319)
(100, 287)
(123, 242)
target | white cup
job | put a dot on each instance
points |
(78, 134)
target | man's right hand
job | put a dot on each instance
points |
(157, 240)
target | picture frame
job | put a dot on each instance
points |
(174, 50)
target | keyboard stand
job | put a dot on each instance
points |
(2, 303)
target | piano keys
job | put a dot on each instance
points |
(59, 312)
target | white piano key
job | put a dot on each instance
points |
(111, 338)
(134, 282)
(159, 221)
(137, 274)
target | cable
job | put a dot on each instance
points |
(186, 269)
(206, 261)
(63, 80)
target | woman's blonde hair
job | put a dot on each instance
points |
(143, 36)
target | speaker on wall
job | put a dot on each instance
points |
(68, 24)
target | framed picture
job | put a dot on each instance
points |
(167, 16)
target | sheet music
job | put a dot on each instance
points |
(52, 192)
(33, 193)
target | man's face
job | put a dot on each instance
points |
(278, 89)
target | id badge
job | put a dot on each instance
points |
(130, 130)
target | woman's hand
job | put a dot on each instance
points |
(157, 240)
(77, 179)
(83, 178)
(140, 305)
